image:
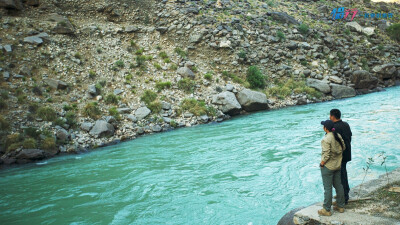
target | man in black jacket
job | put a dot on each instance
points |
(343, 129)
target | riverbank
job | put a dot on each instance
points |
(382, 206)
(32, 158)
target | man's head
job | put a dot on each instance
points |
(335, 115)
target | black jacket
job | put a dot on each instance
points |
(343, 129)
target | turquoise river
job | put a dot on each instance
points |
(251, 169)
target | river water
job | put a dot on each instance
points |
(248, 170)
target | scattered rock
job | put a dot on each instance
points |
(86, 126)
(284, 18)
(56, 84)
(130, 29)
(186, 72)
(195, 38)
(363, 80)
(11, 4)
(227, 103)
(62, 134)
(319, 85)
(156, 128)
(102, 129)
(335, 79)
(252, 100)
(132, 118)
(142, 112)
(31, 154)
(342, 91)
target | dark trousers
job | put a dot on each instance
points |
(345, 182)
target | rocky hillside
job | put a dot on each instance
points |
(80, 74)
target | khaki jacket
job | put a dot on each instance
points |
(332, 151)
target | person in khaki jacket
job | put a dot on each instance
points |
(331, 158)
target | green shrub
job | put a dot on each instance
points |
(92, 74)
(3, 104)
(194, 69)
(12, 141)
(120, 64)
(173, 66)
(111, 99)
(394, 31)
(347, 32)
(33, 107)
(180, 52)
(71, 118)
(114, 112)
(92, 110)
(157, 66)
(331, 63)
(242, 54)
(4, 124)
(187, 85)
(139, 51)
(155, 106)
(196, 107)
(32, 132)
(227, 74)
(4, 94)
(29, 143)
(208, 76)
(47, 113)
(255, 77)
(49, 143)
(140, 60)
(78, 55)
(163, 55)
(280, 35)
(167, 60)
(173, 123)
(59, 122)
(163, 85)
(148, 96)
(284, 89)
(341, 57)
(303, 28)
(67, 108)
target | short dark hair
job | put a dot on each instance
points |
(336, 113)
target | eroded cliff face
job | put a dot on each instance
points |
(80, 74)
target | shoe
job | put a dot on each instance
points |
(334, 203)
(323, 212)
(335, 196)
(341, 210)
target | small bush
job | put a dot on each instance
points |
(341, 57)
(92, 110)
(163, 55)
(347, 32)
(92, 74)
(242, 54)
(120, 64)
(157, 66)
(114, 112)
(196, 107)
(47, 113)
(331, 63)
(4, 94)
(29, 143)
(12, 141)
(78, 55)
(155, 106)
(167, 60)
(33, 107)
(140, 60)
(173, 67)
(139, 51)
(394, 31)
(187, 85)
(71, 118)
(303, 28)
(111, 99)
(3, 104)
(32, 132)
(173, 123)
(59, 122)
(4, 124)
(208, 76)
(163, 85)
(148, 96)
(49, 143)
(280, 35)
(180, 52)
(255, 77)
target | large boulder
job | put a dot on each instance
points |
(354, 26)
(30, 154)
(63, 26)
(142, 112)
(195, 38)
(342, 91)
(284, 18)
(387, 71)
(56, 84)
(319, 85)
(11, 4)
(363, 80)
(252, 100)
(185, 72)
(227, 103)
(101, 129)
(62, 134)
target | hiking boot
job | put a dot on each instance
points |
(323, 212)
(335, 196)
(334, 203)
(341, 210)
